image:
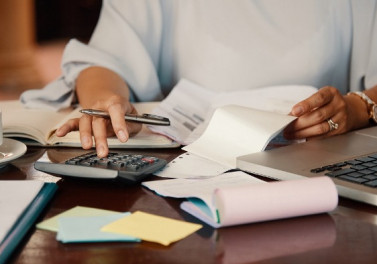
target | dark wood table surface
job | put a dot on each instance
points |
(346, 235)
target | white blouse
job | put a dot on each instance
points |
(223, 45)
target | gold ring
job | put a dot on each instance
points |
(332, 125)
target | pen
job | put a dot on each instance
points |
(144, 118)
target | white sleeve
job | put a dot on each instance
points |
(363, 71)
(127, 40)
(371, 72)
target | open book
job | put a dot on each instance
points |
(237, 198)
(38, 126)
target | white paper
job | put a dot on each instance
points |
(200, 188)
(235, 131)
(15, 197)
(190, 107)
(187, 107)
(181, 167)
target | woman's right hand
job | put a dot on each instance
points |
(101, 89)
(100, 128)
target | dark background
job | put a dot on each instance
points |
(60, 19)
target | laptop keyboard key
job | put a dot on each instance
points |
(352, 179)
(339, 172)
(372, 183)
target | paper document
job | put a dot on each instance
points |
(178, 168)
(190, 106)
(235, 131)
(15, 197)
(187, 106)
(202, 189)
(219, 126)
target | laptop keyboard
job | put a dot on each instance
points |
(361, 170)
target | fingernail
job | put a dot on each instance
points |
(122, 136)
(86, 141)
(100, 151)
(298, 110)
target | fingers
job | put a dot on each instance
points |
(312, 118)
(85, 128)
(314, 115)
(117, 113)
(326, 128)
(70, 125)
(101, 128)
(319, 99)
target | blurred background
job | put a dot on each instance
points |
(33, 36)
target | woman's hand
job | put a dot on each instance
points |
(102, 89)
(326, 113)
(101, 128)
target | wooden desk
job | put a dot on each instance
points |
(347, 235)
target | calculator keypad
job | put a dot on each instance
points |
(117, 165)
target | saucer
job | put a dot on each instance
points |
(10, 150)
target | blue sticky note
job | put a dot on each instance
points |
(87, 229)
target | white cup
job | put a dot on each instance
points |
(1, 129)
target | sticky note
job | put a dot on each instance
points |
(152, 228)
(88, 229)
(51, 224)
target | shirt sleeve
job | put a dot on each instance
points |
(363, 69)
(126, 40)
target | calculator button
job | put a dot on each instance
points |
(117, 164)
(133, 166)
(86, 163)
(104, 162)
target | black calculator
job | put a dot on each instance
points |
(131, 168)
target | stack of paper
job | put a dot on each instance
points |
(219, 127)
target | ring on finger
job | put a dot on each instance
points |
(332, 125)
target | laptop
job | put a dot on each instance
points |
(349, 159)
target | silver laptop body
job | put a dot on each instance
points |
(298, 160)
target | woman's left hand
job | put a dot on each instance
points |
(325, 113)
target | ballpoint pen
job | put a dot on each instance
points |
(144, 118)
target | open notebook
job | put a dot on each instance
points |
(37, 127)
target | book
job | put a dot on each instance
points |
(38, 126)
(21, 203)
(236, 198)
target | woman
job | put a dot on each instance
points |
(141, 48)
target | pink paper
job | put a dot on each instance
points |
(275, 200)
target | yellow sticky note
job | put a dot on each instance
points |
(51, 224)
(152, 228)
